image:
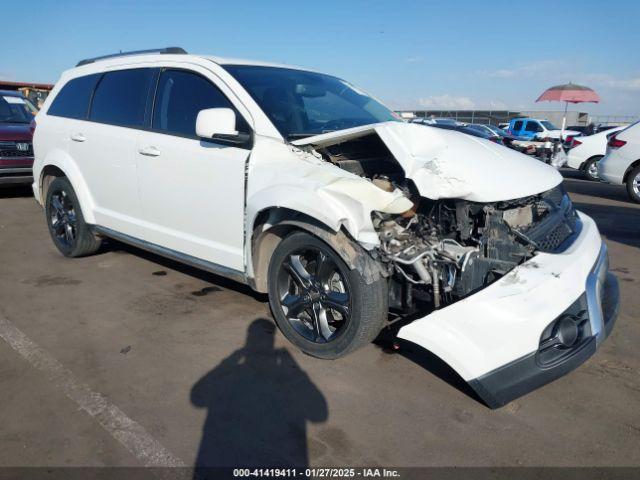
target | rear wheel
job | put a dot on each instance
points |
(324, 308)
(69, 232)
(591, 168)
(633, 184)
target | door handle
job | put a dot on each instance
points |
(149, 151)
(78, 137)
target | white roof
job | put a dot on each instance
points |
(243, 61)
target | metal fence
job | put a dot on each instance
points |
(486, 117)
(494, 117)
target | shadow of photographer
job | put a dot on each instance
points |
(258, 403)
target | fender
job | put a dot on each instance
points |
(285, 177)
(62, 160)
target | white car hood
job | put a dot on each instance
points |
(449, 164)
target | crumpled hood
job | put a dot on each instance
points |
(450, 164)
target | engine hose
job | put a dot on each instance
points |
(435, 283)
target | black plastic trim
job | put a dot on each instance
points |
(166, 50)
(517, 378)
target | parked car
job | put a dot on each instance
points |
(584, 152)
(591, 128)
(532, 128)
(621, 163)
(439, 122)
(493, 130)
(306, 188)
(16, 150)
(481, 133)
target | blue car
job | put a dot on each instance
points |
(531, 128)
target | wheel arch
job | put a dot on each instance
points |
(271, 225)
(629, 169)
(583, 165)
(58, 164)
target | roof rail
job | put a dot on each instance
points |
(167, 50)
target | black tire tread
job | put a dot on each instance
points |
(369, 305)
(588, 163)
(632, 174)
(87, 243)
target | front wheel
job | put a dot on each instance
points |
(633, 184)
(69, 232)
(591, 168)
(324, 308)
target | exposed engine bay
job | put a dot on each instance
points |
(443, 250)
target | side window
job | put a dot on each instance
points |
(533, 126)
(518, 125)
(73, 99)
(121, 97)
(179, 98)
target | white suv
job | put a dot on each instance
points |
(621, 164)
(303, 186)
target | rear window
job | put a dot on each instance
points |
(121, 97)
(517, 125)
(73, 99)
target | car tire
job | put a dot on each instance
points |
(322, 306)
(633, 184)
(69, 232)
(590, 168)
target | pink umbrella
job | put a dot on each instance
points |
(568, 93)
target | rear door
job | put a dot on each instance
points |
(192, 189)
(105, 146)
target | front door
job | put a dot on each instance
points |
(191, 189)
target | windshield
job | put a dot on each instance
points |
(301, 103)
(497, 130)
(14, 109)
(548, 125)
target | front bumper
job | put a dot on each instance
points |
(16, 176)
(492, 338)
(598, 306)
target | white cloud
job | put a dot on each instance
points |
(446, 101)
(525, 70)
(609, 81)
(416, 59)
(453, 102)
(560, 72)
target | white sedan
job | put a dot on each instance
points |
(585, 152)
(621, 164)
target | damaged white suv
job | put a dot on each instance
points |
(302, 186)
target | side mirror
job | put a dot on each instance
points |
(220, 124)
(216, 121)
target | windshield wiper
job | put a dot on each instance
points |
(294, 136)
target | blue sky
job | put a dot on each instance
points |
(410, 54)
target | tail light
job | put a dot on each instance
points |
(615, 142)
(572, 142)
(32, 127)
